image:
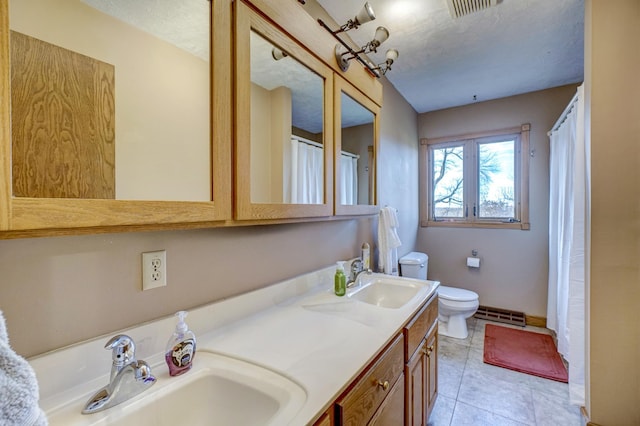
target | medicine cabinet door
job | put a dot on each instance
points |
(118, 113)
(284, 141)
(356, 141)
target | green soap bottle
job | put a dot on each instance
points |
(340, 280)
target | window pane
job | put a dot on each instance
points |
(448, 182)
(496, 171)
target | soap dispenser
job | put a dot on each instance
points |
(340, 280)
(181, 347)
(366, 256)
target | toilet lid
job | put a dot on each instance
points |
(456, 294)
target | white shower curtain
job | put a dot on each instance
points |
(568, 221)
(348, 179)
(306, 173)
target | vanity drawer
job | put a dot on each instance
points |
(361, 402)
(420, 325)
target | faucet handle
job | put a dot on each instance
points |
(123, 349)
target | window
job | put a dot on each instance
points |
(477, 180)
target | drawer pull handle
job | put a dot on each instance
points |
(429, 350)
(384, 385)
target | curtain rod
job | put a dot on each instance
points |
(307, 141)
(319, 145)
(564, 114)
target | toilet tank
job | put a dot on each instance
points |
(414, 265)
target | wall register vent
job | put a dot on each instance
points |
(458, 8)
(501, 315)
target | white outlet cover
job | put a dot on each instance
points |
(154, 269)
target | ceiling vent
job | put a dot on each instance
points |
(458, 8)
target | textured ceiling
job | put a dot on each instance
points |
(515, 47)
(183, 23)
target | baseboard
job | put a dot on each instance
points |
(536, 321)
(585, 418)
(510, 317)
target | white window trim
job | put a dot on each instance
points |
(521, 179)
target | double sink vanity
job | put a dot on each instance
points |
(292, 353)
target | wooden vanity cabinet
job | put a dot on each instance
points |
(325, 420)
(377, 396)
(382, 394)
(421, 370)
(392, 409)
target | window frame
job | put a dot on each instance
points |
(471, 179)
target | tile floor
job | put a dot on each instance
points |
(474, 393)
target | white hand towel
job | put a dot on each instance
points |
(394, 239)
(388, 241)
(382, 242)
(18, 387)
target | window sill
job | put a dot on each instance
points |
(460, 224)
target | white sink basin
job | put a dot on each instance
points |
(218, 390)
(388, 292)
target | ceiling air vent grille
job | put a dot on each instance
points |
(458, 8)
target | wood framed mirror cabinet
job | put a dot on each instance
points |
(116, 119)
(105, 123)
(357, 131)
(283, 122)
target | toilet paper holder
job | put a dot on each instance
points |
(473, 262)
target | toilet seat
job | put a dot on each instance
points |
(456, 294)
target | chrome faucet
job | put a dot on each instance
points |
(128, 377)
(356, 270)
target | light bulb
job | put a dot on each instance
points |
(382, 34)
(392, 55)
(365, 15)
(278, 54)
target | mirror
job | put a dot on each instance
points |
(356, 155)
(356, 119)
(284, 107)
(110, 100)
(287, 141)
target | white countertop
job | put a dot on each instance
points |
(297, 328)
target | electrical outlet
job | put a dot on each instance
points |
(154, 269)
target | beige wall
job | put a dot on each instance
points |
(162, 105)
(57, 291)
(513, 264)
(612, 60)
(270, 144)
(398, 164)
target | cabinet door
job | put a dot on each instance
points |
(325, 419)
(172, 161)
(362, 401)
(416, 373)
(284, 133)
(431, 368)
(357, 129)
(391, 411)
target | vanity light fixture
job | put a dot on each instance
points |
(344, 53)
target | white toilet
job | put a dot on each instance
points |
(455, 305)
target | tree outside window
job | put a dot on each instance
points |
(475, 180)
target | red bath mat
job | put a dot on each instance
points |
(523, 351)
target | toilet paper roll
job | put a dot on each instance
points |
(473, 262)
